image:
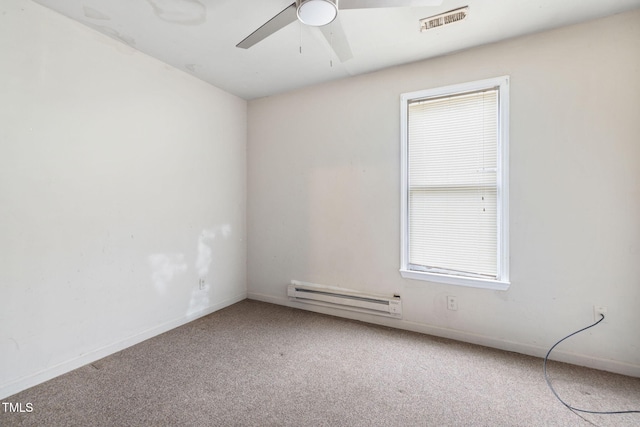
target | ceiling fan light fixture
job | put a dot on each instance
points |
(317, 12)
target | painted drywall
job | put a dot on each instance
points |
(122, 184)
(324, 201)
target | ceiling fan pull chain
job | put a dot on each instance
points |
(331, 50)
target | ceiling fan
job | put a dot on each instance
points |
(320, 13)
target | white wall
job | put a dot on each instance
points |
(122, 181)
(323, 193)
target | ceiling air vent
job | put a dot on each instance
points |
(444, 18)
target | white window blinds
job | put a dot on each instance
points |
(452, 144)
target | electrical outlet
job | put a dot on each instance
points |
(598, 311)
(452, 303)
(201, 283)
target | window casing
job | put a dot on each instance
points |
(455, 184)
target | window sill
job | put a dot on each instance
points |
(472, 282)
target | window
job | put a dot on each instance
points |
(455, 184)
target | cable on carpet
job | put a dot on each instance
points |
(546, 377)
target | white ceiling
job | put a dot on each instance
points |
(200, 36)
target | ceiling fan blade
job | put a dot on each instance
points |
(372, 4)
(281, 20)
(334, 33)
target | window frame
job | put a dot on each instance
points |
(501, 282)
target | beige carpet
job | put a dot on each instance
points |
(257, 364)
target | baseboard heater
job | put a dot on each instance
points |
(310, 293)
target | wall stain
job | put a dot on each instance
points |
(16, 343)
(185, 12)
(92, 13)
(164, 267)
(114, 34)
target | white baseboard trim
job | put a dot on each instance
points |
(21, 384)
(483, 340)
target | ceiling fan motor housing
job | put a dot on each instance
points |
(317, 12)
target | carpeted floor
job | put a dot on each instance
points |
(257, 364)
